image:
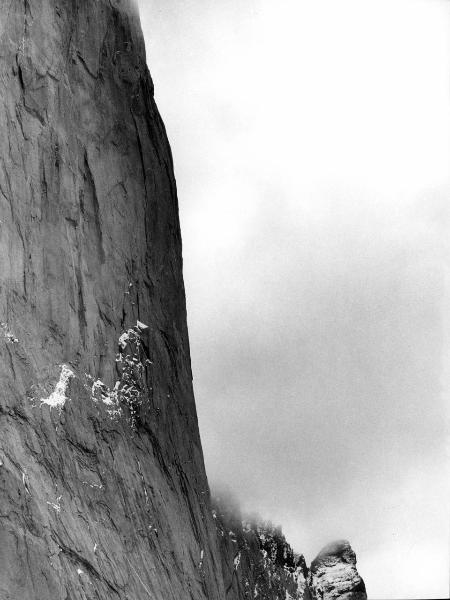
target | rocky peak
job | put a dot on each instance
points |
(333, 574)
(258, 562)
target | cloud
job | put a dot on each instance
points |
(311, 144)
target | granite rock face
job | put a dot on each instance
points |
(103, 492)
(333, 574)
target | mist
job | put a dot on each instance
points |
(311, 147)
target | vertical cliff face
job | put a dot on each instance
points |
(258, 562)
(103, 492)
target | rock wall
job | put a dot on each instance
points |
(103, 491)
(257, 561)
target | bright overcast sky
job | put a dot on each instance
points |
(311, 146)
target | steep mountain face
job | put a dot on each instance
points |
(333, 574)
(103, 491)
(257, 562)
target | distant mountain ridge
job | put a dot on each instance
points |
(257, 562)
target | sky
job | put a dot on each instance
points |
(311, 141)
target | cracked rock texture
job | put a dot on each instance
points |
(257, 562)
(103, 492)
(333, 574)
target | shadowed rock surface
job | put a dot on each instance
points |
(333, 574)
(257, 561)
(103, 491)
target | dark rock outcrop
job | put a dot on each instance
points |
(333, 574)
(257, 562)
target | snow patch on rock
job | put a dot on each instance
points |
(8, 334)
(56, 505)
(129, 388)
(58, 397)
